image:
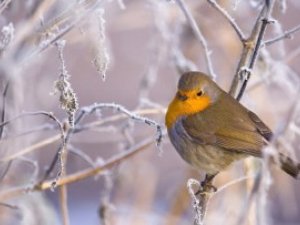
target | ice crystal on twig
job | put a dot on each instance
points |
(196, 202)
(6, 36)
(68, 99)
(101, 60)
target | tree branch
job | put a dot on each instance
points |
(77, 176)
(231, 21)
(287, 34)
(251, 48)
(198, 35)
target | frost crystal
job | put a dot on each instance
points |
(101, 60)
(68, 99)
(7, 34)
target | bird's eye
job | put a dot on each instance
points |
(200, 93)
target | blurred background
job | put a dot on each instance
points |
(130, 52)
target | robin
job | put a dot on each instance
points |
(210, 129)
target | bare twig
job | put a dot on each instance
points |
(231, 183)
(199, 209)
(113, 118)
(31, 148)
(292, 55)
(200, 198)
(77, 129)
(286, 35)
(101, 59)
(81, 155)
(51, 116)
(34, 165)
(106, 206)
(199, 36)
(60, 156)
(62, 135)
(245, 56)
(63, 193)
(3, 108)
(9, 163)
(43, 127)
(9, 205)
(93, 108)
(66, 21)
(63, 197)
(25, 30)
(182, 63)
(88, 110)
(250, 198)
(2, 128)
(25, 114)
(231, 21)
(83, 174)
(251, 50)
(68, 99)
(4, 5)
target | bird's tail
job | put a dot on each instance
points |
(289, 166)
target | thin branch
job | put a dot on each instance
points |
(90, 109)
(3, 108)
(286, 35)
(67, 97)
(9, 163)
(63, 193)
(25, 114)
(233, 182)
(9, 205)
(44, 127)
(4, 5)
(201, 197)
(198, 34)
(60, 155)
(246, 72)
(115, 118)
(77, 176)
(34, 165)
(2, 128)
(25, 30)
(31, 148)
(63, 137)
(292, 55)
(105, 207)
(63, 197)
(82, 155)
(73, 16)
(49, 115)
(77, 129)
(120, 108)
(250, 198)
(229, 18)
(246, 54)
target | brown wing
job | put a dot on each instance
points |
(227, 124)
(260, 126)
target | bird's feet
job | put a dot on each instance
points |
(206, 186)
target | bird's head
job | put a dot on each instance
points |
(196, 91)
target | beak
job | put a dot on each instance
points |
(181, 96)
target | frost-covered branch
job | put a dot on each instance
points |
(286, 35)
(198, 35)
(82, 174)
(68, 99)
(251, 50)
(229, 18)
(90, 109)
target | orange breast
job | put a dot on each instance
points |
(178, 108)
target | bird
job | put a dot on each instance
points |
(210, 129)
